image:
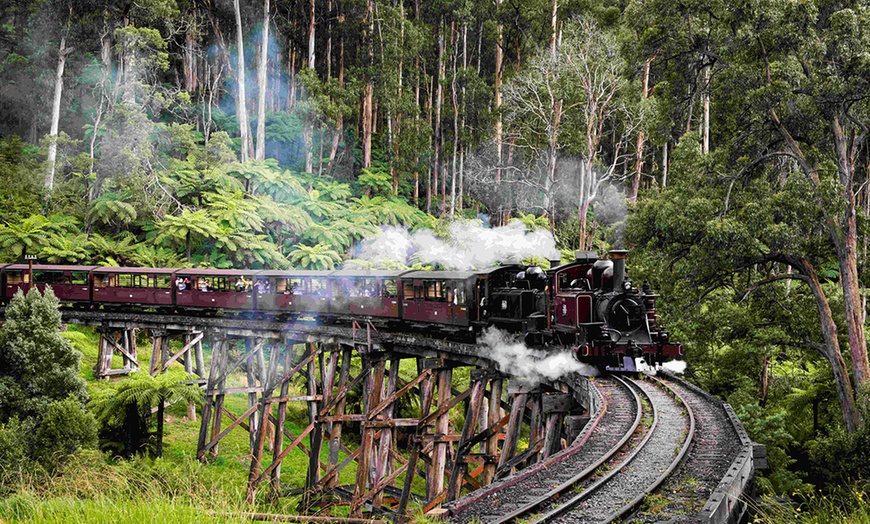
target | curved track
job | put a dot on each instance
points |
(645, 467)
(682, 497)
(630, 450)
(605, 435)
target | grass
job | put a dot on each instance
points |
(847, 504)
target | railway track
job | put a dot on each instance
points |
(641, 434)
(685, 495)
(657, 452)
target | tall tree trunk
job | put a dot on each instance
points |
(831, 347)
(499, 59)
(241, 103)
(641, 140)
(311, 24)
(263, 83)
(55, 119)
(369, 88)
(847, 252)
(308, 131)
(339, 124)
(439, 96)
(705, 147)
(190, 54)
(455, 99)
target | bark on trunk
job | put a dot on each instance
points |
(831, 347)
(499, 60)
(241, 102)
(55, 118)
(263, 83)
(641, 141)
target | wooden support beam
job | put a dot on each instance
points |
(442, 427)
(387, 435)
(513, 431)
(365, 472)
(471, 420)
(426, 390)
(286, 356)
(335, 429)
(190, 343)
(235, 423)
(260, 440)
(316, 439)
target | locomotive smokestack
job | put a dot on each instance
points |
(618, 258)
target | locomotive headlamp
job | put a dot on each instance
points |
(626, 285)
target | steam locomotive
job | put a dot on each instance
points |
(588, 305)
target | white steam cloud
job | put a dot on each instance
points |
(471, 246)
(677, 367)
(531, 365)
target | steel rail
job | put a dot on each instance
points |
(681, 456)
(572, 502)
(586, 473)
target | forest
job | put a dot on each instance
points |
(723, 143)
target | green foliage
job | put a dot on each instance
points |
(769, 427)
(37, 365)
(65, 429)
(320, 256)
(125, 410)
(14, 449)
(376, 180)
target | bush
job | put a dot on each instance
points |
(65, 429)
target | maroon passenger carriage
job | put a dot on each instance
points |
(136, 285)
(69, 283)
(214, 289)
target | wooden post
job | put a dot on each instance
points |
(387, 433)
(426, 389)
(268, 381)
(364, 474)
(514, 424)
(188, 368)
(287, 355)
(442, 429)
(208, 407)
(336, 429)
(316, 438)
(494, 414)
(222, 353)
(251, 374)
(472, 412)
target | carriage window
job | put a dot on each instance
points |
(342, 288)
(435, 291)
(407, 291)
(128, 280)
(163, 281)
(221, 284)
(79, 278)
(319, 287)
(14, 277)
(389, 288)
(49, 277)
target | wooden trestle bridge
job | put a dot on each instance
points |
(449, 456)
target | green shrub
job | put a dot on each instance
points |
(65, 429)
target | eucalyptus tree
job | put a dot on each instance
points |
(570, 98)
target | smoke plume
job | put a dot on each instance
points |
(677, 367)
(530, 365)
(470, 246)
